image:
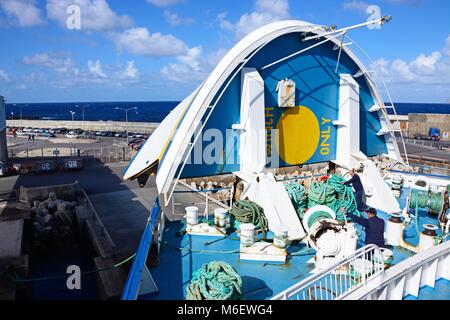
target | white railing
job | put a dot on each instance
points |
(339, 280)
(407, 277)
(196, 198)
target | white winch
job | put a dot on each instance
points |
(331, 239)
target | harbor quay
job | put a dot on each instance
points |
(143, 127)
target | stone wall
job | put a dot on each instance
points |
(141, 127)
(421, 124)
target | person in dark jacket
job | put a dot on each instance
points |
(355, 181)
(373, 226)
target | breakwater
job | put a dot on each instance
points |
(141, 127)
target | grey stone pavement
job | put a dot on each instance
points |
(418, 150)
(21, 143)
(122, 205)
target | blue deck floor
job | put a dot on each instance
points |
(441, 291)
(260, 280)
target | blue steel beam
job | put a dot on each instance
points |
(132, 286)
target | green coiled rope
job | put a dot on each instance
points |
(436, 203)
(433, 201)
(246, 211)
(216, 280)
(319, 215)
(298, 196)
(419, 198)
(331, 193)
(320, 194)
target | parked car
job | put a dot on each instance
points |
(47, 135)
(131, 142)
(61, 131)
(71, 135)
(6, 170)
(138, 145)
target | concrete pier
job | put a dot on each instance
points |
(141, 127)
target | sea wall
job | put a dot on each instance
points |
(421, 124)
(141, 127)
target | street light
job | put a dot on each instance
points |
(21, 106)
(126, 117)
(73, 114)
(83, 107)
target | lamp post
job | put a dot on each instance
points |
(83, 107)
(126, 117)
(73, 114)
(82, 111)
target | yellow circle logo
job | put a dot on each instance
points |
(299, 135)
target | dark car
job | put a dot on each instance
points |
(134, 142)
(138, 145)
(47, 135)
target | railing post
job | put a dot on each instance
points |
(173, 205)
(364, 267)
(206, 213)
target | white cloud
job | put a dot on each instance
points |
(36, 77)
(188, 67)
(4, 76)
(92, 73)
(266, 11)
(175, 20)
(24, 12)
(140, 41)
(96, 15)
(277, 8)
(130, 72)
(425, 69)
(57, 62)
(192, 66)
(95, 68)
(164, 3)
(356, 5)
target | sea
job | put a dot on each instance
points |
(151, 111)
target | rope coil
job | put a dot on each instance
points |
(298, 196)
(245, 211)
(216, 280)
(331, 193)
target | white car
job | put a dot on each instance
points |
(71, 135)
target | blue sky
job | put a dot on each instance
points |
(140, 50)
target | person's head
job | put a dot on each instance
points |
(371, 213)
(352, 172)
